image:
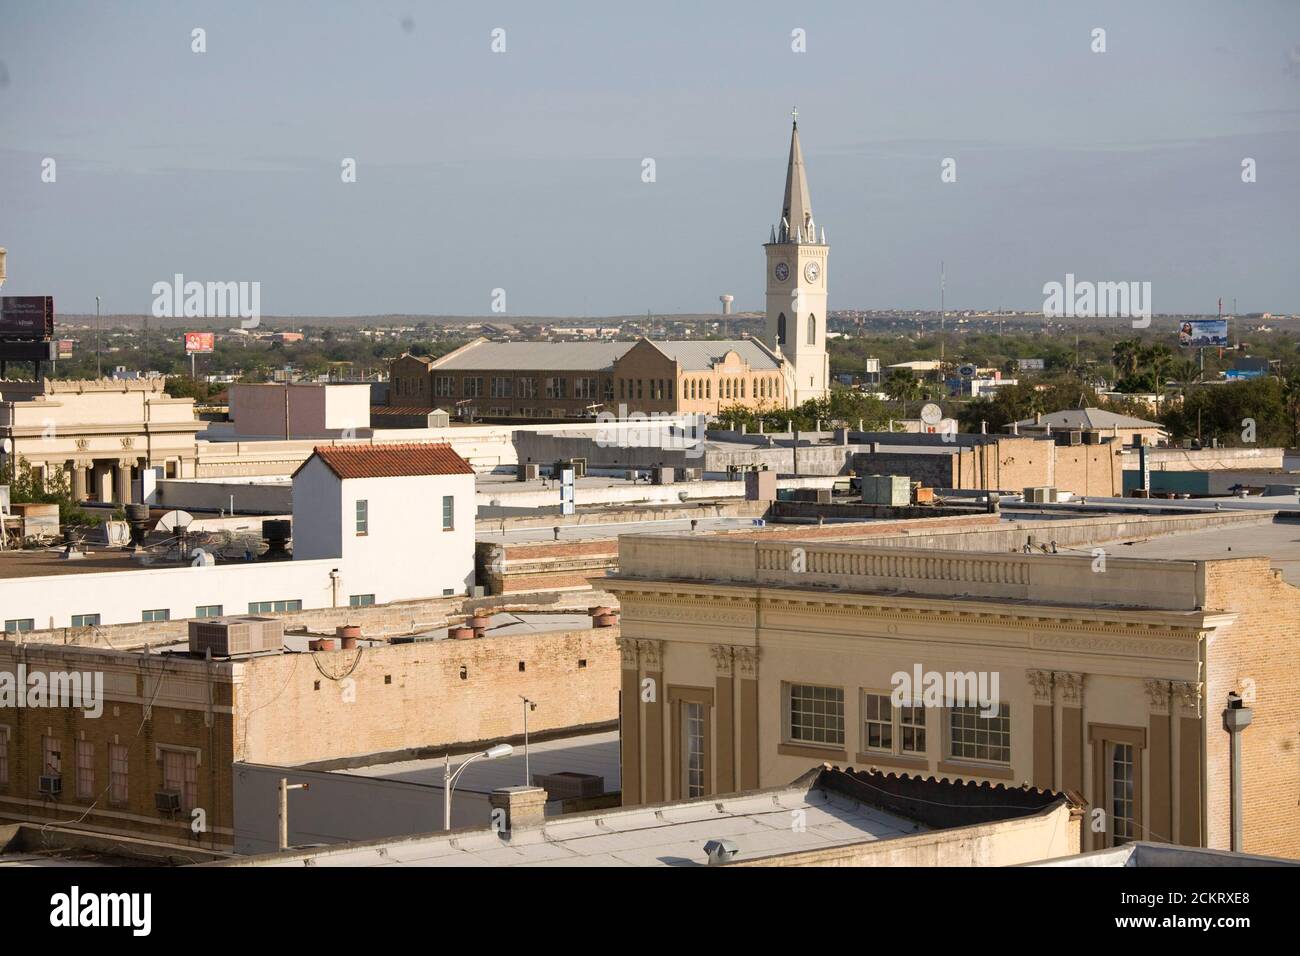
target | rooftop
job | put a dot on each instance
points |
(1089, 418)
(391, 461)
(838, 808)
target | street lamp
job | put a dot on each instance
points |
(528, 705)
(449, 778)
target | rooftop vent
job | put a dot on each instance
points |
(720, 851)
(277, 533)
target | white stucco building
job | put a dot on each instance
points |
(372, 525)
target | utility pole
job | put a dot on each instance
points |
(285, 787)
(1236, 718)
(99, 372)
(528, 705)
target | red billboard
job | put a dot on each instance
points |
(65, 348)
(27, 316)
(199, 342)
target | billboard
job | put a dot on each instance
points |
(1203, 333)
(199, 342)
(1030, 364)
(26, 316)
(65, 348)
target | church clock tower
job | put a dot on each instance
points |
(796, 286)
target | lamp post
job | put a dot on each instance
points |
(99, 372)
(528, 705)
(283, 815)
(449, 777)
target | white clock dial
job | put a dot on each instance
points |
(811, 271)
(782, 272)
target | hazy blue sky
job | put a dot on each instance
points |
(522, 170)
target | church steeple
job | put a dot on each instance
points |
(797, 223)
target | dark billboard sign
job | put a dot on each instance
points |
(26, 316)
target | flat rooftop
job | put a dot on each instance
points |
(596, 754)
(1278, 541)
(670, 835)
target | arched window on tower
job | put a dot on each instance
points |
(780, 329)
(812, 330)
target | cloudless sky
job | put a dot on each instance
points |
(522, 170)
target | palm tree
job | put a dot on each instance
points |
(1126, 357)
(902, 386)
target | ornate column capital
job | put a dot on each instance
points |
(1157, 696)
(1186, 697)
(722, 659)
(1041, 682)
(652, 655)
(746, 659)
(1071, 685)
(627, 653)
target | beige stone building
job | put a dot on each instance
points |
(747, 662)
(102, 432)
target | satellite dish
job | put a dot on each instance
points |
(174, 521)
(201, 559)
(6, 446)
(931, 414)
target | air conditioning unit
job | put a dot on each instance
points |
(234, 636)
(167, 801)
(528, 471)
(663, 475)
(567, 785)
(51, 785)
(579, 466)
(691, 474)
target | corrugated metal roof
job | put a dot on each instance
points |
(597, 356)
(391, 461)
(700, 356)
(535, 356)
(1090, 418)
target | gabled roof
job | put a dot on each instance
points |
(390, 461)
(485, 356)
(700, 356)
(1090, 418)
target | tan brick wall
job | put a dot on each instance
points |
(1262, 647)
(413, 695)
(1017, 463)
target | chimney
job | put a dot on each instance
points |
(1038, 418)
(517, 807)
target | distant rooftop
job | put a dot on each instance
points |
(693, 356)
(1082, 418)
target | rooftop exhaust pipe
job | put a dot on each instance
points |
(721, 851)
(277, 533)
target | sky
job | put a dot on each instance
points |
(522, 170)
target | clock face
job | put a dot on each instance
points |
(782, 272)
(811, 271)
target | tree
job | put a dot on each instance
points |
(26, 485)
(902, 386)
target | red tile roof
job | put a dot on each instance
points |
(392, 461)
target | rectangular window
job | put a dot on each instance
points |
(363, 516)
(361, 600)
(85, 769)
(118, 767)
(157, 614)
(181, 773)
(4, 756)
(208, 610)
(692, 749)
(609, 389)
(442, 387)
(502, 387)
(877, 723)
(975, 737)
(890, 729)
(85, 620)
(557, 388)
(528, 388)
(19, 625)
(51, 756)
(448, 512)
(816, 714)
(585, 388)
(473, 386)
(271, 607)
(1123, 799)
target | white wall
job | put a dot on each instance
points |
(405, 556)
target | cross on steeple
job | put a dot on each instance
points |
(794, 115)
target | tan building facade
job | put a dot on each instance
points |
(745, 663)
(576, 380)
(101, 432)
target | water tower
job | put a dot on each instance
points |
(726, 301)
